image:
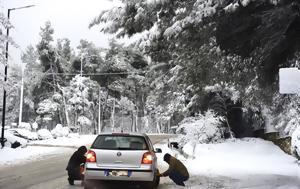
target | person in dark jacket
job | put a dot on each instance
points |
(177, 171)
(77, 159)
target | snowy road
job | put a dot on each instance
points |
(34, 173)
(244, 168)
(49, 173)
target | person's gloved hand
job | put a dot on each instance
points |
(158, 173)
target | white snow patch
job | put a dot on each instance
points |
(25, 125)
(60, 131)
(44, 134)
(12, 138)
(48, 147)
(73, 140)
(25, 133)
(30, 153)
(237, 157)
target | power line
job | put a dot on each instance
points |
(95, 74)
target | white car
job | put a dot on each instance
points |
(120, 157)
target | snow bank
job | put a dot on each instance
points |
(237, 157)
(73, 140)
(44, 148)
(12, 138)
(25, 133)
(30, 153)
(25, 125)
(44, 134)
(60, 131)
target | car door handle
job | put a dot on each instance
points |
(118, 161)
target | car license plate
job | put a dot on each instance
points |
(118, 173)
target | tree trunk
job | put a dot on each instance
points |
(66, 111)
(158, 126)
(132, 121)
(113, 116)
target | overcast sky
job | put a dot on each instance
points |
(69, 18)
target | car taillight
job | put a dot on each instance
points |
(147, 158)
(91, 156)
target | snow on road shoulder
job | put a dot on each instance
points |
(238, 157)
(236, 163)
(10, 156)
(74, 140)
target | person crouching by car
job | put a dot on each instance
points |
(177, 171)
(77, 159)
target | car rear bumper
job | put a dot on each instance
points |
(134, 174)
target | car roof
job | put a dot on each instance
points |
(125, 134)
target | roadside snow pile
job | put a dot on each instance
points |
(24, 133)
(73, 140)
(25, 125)
(44, 134)
(238, 157)
(30, 153)
(201, 129)
(60, 131)
(12, 139)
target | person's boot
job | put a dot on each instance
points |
(71, 181)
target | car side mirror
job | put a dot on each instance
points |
(174, 145)
(158, 150)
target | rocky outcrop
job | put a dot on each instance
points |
(284, 143)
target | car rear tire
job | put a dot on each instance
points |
(154, 184)
(156, 179)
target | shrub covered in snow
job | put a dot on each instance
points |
(60, 131)
(35, 126)
(84, 121)
(286, 120)
(25, 126)
(201, 129)
(47, 106)
(295, 146)
(227, 89)
(74, 135)
(44, 134)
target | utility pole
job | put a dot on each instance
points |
(21, 99)
(2, 139)
(99, 112)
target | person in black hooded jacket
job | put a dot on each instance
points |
(74, 163)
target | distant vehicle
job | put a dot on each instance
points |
(121, 157)
(11, 139)
(74, 129)
(24, 133)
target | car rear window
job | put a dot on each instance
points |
(120, 142)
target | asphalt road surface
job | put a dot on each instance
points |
(37, 173)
